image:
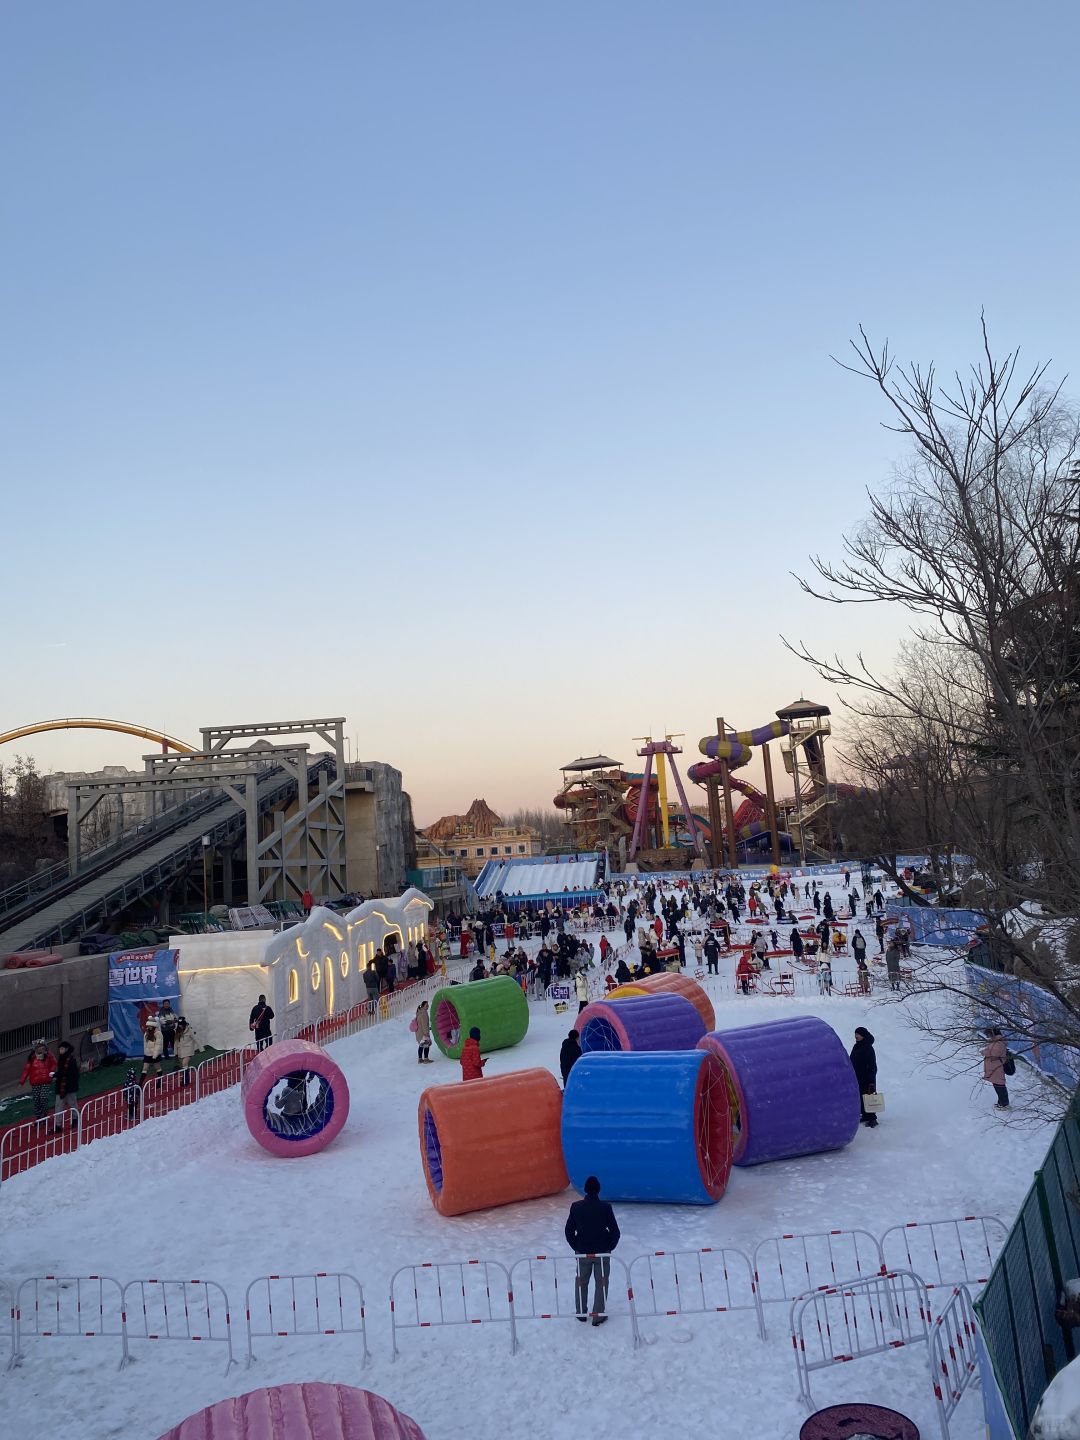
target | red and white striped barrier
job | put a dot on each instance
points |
(196, 1311)
(546, 1287)
(688, 1282)
(787, 1267)
(282, 1307)
(953, 1363)
(945, 1252)
(68, 1307)
(458, 1292)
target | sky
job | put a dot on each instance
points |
(464, 369)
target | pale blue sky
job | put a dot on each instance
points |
(315, 315)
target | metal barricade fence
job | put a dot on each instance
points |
(866, 1316)
(192, 1310)
(162, 1094)
(953, 1363)
(787, 1267)
(457, 1292)
(286, 1306)
(7, 1321)
(688, 1282)
(107, 1114)
(68, 1307)
(545, 1287)
(220, 1072)
(25, 1145)
(945, 1252)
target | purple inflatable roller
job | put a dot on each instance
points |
(640, 1022)
(792, 1088)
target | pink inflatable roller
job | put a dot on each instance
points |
(312, 1411)
(295, 1099)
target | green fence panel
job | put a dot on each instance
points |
(999, 1333)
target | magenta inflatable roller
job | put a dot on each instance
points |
(295, 1098)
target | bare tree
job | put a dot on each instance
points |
(978, 539)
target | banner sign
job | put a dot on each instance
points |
(139, 981)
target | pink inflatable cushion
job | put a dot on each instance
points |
(312, 1411)
(275, 1063)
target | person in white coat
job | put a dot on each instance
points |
(185, 1045)
(581, 986)
(152, 1047)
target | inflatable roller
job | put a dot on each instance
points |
(640, 1022)
(295, 1098)
(674, 984)
(792, 1089)
(651, 1127)
(311, 1411)
(497, 1007)
(492, 1142)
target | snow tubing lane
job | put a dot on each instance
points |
(497, 1007)
(660, 1021)
(667, 982)
(793, 1088)
(653, 1127)
(492, 1142)
(312, 1411)
(271, 1065)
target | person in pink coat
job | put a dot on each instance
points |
(994, 1055)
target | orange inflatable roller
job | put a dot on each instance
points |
(492, 1142)
(668, 981)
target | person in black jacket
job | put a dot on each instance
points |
(259, 1022)
(592, 1232)
(569, 1055)
(622, 973)
(864, 1062)
(66, 1080)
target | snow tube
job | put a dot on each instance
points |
(651, 1126)
(640, 1022)
(311, 1411)
(669, 982)
(792, 1089)
(492, 1142)
(497, 1007)
(295, 1098)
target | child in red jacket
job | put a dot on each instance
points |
(472, 1066)
(39, 1070)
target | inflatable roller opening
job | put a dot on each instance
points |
(432, 1150)
(299, 1105)
(447, 1022)
(712, 1124)
(600, 1034)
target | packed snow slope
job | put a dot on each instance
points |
(192, 1195)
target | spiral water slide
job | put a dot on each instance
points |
(736, 748)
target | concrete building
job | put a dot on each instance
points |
(380, 840)
(440, 876)
(479, 835)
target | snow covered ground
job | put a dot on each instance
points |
(191, 1195)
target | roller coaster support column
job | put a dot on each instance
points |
(640, 819)
(729, 813)
(770, 805)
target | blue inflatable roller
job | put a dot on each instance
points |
(640, 1022)
(651, 1126)
(792, 1088)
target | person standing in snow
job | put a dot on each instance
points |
(38, 1072)
(472, 1066)
(569, 1055)
(995, 1052)
(592, 1232)
(131, 1094)
(423, 1034)
(581, 989)
(864, 1063)
(858, 946)
(711, 952)
(892, 964)
(152, 1047)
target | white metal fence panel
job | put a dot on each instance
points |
(7, 1322)
(457, 1292)
(688, 1282)
(789, 1266)
(945, 1252)
(867, 1316)
(287, 1306)
(546, 1287)
(162, 1094)
(953, 1364)
(192, 1310)
(27, 1144)
(68, 1307)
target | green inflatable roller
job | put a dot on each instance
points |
(497, 1007)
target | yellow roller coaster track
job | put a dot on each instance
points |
(84, 722)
